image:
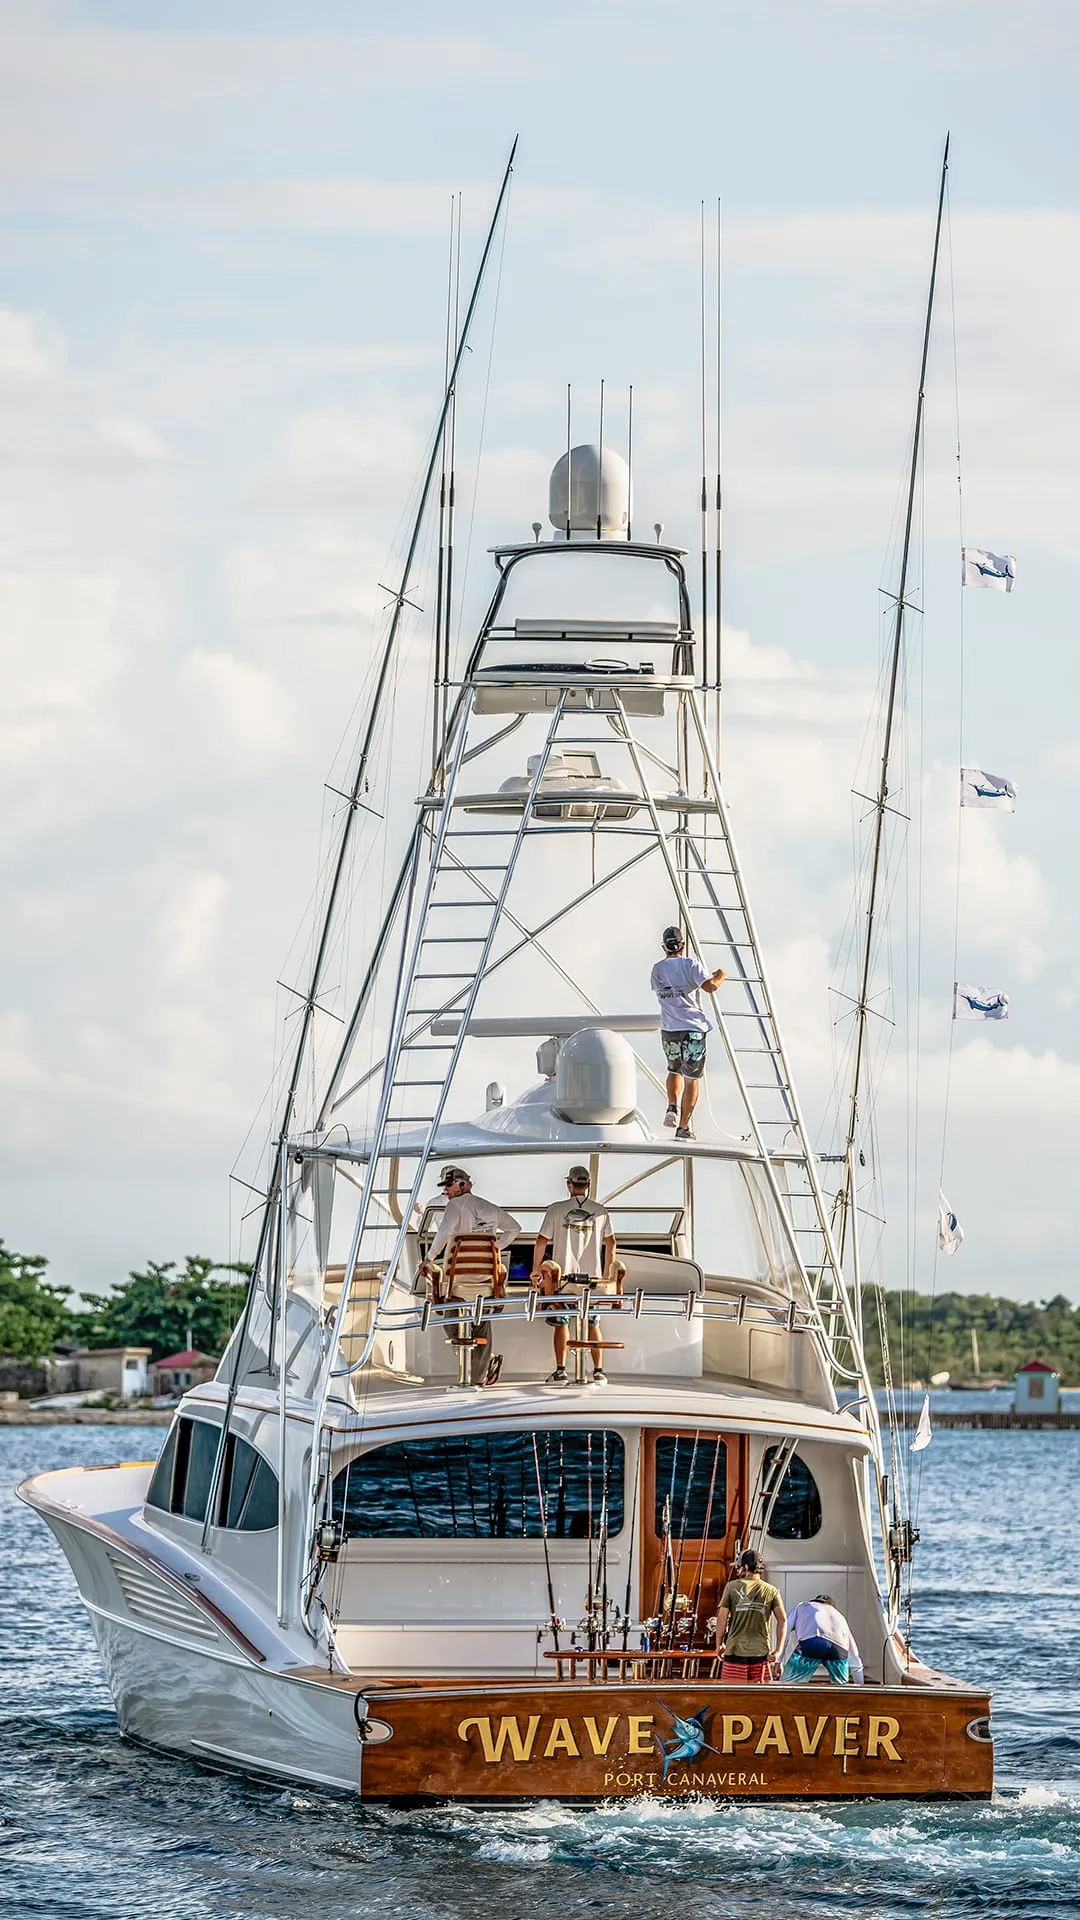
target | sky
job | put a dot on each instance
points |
(223, 239)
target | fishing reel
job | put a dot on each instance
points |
(328, 1541)
(551, 1625)
(902, 1540)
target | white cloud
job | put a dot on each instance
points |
(20, 1066)
(248, 715)
(190, 926)
(30, 345)
(134, 437)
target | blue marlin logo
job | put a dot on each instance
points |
(991, 792)
(688, 1742)
(995, 573)
(984, 1006)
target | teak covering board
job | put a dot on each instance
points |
(614, 1742)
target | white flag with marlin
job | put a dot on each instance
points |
(950, 1233)
(979, 789)
(923, 1432)
(988, 569)
(979, 1003)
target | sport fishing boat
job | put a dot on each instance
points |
(386, 1549)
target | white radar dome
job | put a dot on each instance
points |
(590, 484)
(595, 1079)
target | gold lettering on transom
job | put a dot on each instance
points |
(561, 1740)
(598, 1744)
(509, 1734)
(737, 1727)
(881, 1733)
(773, 1735)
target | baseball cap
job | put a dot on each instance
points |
(672, 937)
(750, 1560)
(580, 1177)
(451, 1175)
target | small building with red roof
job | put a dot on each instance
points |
(177, 1372)
(1037, 1389)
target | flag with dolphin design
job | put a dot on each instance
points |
(950, 1233)
(979, 1003)
(988, 569)
(979, 789)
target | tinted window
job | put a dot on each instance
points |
(484, 1486)
(160, 1494)
(691, 1486)
(250, 1491)
(796, 1514)
(202, 1452)
(185, 1468)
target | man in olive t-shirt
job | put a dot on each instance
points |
(748, 1607)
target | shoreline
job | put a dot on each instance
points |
(86, 1417)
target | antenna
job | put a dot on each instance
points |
(452, 490)
(568, 460)
(719, 628)
(704, 484)
(437, 700)
(629, 460)
(600, 475)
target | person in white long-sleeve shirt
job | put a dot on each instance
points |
(468, 1212)
(822, 1638)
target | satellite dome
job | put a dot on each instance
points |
(590, 484)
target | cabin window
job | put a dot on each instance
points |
(482, 1486)
(1035, 1386)
(185, 1468)
(796, 1513)
(249, 1500)
(691, 1486)
(160, 1494)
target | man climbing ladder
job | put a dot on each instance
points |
(678, 983)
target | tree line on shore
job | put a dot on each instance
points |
(159, 1306)
(930, 1334)
(164, 1307)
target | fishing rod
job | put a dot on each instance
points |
(630, 1549)
(553, 1616)
(700, 1575)
(589, 1590)
(602, 1570)
(687, 1496)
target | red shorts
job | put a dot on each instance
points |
(746, 1673)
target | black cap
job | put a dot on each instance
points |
(749, 1560)
(672, 938)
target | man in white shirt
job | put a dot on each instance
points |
(678, 984)
(822, 1638)
(466, 1212)
(582, 1241)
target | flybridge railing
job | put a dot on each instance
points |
(801, 1317)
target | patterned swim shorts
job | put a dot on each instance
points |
(685, 1054)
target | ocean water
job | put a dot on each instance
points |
(92, 1829)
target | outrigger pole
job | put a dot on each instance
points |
(845, 1198)
(275, 1195)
